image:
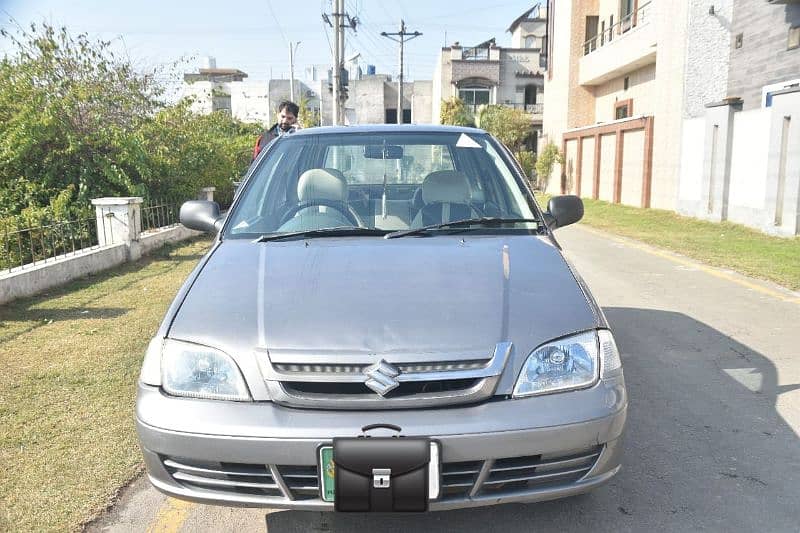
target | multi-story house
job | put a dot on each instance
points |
(678, 104)
(490, 74)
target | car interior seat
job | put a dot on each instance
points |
(446, 197)
(322, 202)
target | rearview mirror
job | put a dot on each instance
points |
(381, 151)
(564, 210)
(201, 215)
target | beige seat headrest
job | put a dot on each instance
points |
(447, 186)
(322, 184)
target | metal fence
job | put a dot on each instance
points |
(32, 245)
(22, 245)
(160, 213)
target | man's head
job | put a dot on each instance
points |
(287, 115)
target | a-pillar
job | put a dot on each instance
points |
(119, 221)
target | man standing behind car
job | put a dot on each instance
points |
(287, 123)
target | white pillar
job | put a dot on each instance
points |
(207, 193)
(119, 221)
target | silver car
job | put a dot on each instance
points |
(399, 275)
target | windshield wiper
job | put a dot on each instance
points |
(339, 231)
(482, 221)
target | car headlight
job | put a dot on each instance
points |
(564, 364)
(198, 371)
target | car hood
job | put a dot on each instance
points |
(438, 294)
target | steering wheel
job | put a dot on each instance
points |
(336, 205)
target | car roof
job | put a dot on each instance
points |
(387, 128)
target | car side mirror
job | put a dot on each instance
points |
(563, 211)
(201, 215)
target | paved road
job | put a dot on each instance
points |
(712, 362)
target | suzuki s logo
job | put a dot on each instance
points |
(381, 377)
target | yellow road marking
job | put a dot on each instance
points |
(171, 516)
(786, 297)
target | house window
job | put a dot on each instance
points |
(474, 96)
(623, 109)
(794, 38)
(530, 41)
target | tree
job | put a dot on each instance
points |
(77, 122)
(455, 113)
(511, 126)
(309, 117)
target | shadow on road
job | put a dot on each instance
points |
(705, 448)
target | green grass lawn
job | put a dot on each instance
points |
(69, 361)
(725, 245)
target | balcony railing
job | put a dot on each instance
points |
(632, 20)
(475, 54)
(534, 109)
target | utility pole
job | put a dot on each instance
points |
(337, 62)
(339, 17)
(292, 53)
(403, 37)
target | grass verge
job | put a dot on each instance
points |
(720, 244)
(69, 360)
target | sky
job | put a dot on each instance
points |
(254, 35)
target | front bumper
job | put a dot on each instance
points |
(496, 452)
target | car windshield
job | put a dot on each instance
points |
(380, 181)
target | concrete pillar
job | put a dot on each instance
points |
(782, 194)
(717, 159)
(119, 221)
(207, 193)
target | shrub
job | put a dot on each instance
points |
(549, 156)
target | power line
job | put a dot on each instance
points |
(269, 5)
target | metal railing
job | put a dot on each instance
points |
(36, 244)
(160, 213)
(632, 20)
(534, 109)
(475, 54)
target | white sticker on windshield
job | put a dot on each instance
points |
(465, 141)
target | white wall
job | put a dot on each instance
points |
(749, 157)
(632, 167)
(608, 154)
(691, 173)
(250, 102)
(587, 172)
(200, 93)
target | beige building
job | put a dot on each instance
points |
(687, 105)
(615, 94)
(490, 74)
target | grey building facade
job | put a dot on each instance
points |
(765, 47)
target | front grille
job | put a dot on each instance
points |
(445, 366)
(338, 381)
(252, 479)
(302, 481)
(359, 389)
(459, 480)
(534, 471)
